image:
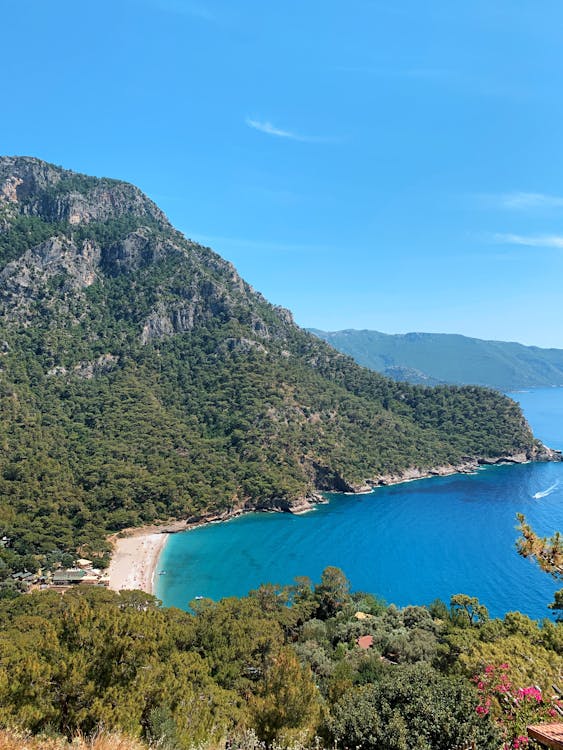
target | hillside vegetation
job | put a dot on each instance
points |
(432, 358)
(279, 666)
(141, 378)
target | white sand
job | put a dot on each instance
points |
(134, 561)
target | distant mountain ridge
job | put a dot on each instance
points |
(434, 358)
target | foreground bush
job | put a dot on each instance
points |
(411, 708)
(14, 740)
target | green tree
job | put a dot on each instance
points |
(288, 702)
(468, 610)
(548, 553)
(332, 593)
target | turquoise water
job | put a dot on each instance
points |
(408, 544)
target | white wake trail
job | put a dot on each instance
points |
(547, 492)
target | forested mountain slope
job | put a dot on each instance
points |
(141, 378)
(432, 358)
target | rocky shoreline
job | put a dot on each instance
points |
(468, 465)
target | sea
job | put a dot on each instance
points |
(408, 544)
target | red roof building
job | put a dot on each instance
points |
(365, 641)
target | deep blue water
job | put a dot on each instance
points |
(409, 544)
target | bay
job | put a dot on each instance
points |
(408, 544)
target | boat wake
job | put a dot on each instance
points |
(547, 492)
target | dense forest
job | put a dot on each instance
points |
(278, 668)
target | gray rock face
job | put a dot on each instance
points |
(87, 370)
(138, 250)
(23, 176)
(36, 188)
(58, 260)
(208, 287)
(199, 302)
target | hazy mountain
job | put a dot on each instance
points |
(432, 358)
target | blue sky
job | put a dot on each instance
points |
(394, 164)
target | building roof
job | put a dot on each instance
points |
(68, 575)
(548, 735)
(365, 641)
(361, 616)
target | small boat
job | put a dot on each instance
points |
(161, 572)
(197, 598)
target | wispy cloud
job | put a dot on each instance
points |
(523, 201)
(265, 126)
(527, 240)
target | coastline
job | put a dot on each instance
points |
(134, 560)
(466, 466)
(137, 550)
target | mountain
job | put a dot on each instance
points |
(141, 378)
(432, 358)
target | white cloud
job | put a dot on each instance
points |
(521, 201)
(267, 127)
(264, 126)
(537, 240)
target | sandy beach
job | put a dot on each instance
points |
(134, 560)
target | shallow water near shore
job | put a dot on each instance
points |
(408, 544)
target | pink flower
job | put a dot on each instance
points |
(531, 693)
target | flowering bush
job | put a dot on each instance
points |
(514, 708)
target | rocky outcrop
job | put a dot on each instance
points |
(57, 265)
(196, 305)
(242, 345)
(67, 263)
(328, 479)
(59, 195)
(137, 250)
(538, 452)
(286, 505)
(24, 176)
(86, 370)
